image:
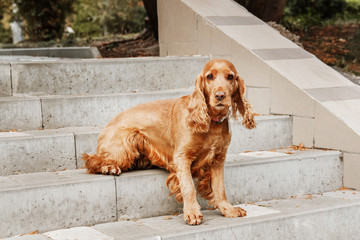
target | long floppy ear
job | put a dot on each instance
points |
(241, 105)
(198, 120)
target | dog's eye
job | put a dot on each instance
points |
(230, 77)
(210, 76)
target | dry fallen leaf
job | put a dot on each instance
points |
(272, 150)
(31, 233)
(345, 188)
(310, 196)
(299, 147)
(342, 40)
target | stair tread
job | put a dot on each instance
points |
(45, 179)
(169, 227)
(57, 149)
(81, 76)
(262, 218)
(92, 129)
(91, 95)
(59, 111)
(102, 198)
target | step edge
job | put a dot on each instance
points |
(265, 218)
(138, 173)
(109, 95)
(298, 155)
(108, 60)
(65, 131)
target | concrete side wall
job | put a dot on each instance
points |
(281, 77)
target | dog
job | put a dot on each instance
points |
(188, 136)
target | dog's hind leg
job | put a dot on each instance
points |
(118, 149)
(203, 184)
(174, 186)
(101, 164)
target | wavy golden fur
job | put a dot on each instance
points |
(188, 136)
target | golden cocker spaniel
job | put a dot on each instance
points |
(188, 137)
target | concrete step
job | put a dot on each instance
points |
(331, 215)
(54, 200)
(59, 149)
(59, 52)
(29, 113)
(98, 76)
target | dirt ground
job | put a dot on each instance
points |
(143, 45)
(337, 46)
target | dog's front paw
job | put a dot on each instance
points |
(111, 170)
(193, 216)
(233, 212)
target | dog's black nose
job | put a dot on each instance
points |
(219, 95)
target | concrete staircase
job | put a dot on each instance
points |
(52, 112)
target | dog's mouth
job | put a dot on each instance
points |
(221, 105)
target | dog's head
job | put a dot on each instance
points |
(217, 88)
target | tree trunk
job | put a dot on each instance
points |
(151, 9)
(267, 10)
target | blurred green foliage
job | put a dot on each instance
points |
(352, 11)
(100, 18)
(354, 48)
(307, 13)
(44, 19)
(5, 33)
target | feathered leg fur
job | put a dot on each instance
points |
(125, 150)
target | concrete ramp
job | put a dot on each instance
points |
(282, 78)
